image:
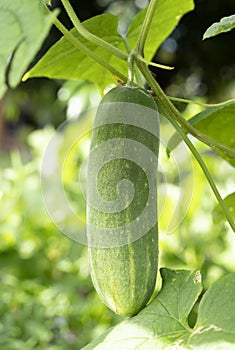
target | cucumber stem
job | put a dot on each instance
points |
(137, 74)
(131, 70)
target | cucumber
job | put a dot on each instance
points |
(122, 229)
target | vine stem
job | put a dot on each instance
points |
(164, 106)
(91, 37)
(151, 9)
(184, 100)
(199, 135)
(230, 152)
(86, 50)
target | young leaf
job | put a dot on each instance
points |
(216, 122)
(23, 27)
(65, 61)
(224, 25)
(168, 15)
(163, 323)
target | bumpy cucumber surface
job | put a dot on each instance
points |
(124, 275)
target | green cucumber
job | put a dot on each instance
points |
(122, 244)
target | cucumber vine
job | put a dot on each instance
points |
(137, 65)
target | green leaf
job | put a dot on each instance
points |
(216, 317)
(216, 122)
(64, 61)
(168, 15)
(224, 25)
(23, 27)
(163, 323)
(218, 215)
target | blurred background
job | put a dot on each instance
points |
(47, 300)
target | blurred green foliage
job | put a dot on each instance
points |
(46, 297)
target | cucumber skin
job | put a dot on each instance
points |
(124, 277)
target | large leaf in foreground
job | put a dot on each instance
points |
(224, 25)
(163, 323)
(23, 27)
(216, 122)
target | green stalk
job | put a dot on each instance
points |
(146, 27)
(138, 76)
(184, 123)
(91, 37)
(184, 100)
(164, 105)
(131, 70)
(87, 51)
(126, 43)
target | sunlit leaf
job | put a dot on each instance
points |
(65, 61)
(168, 15)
